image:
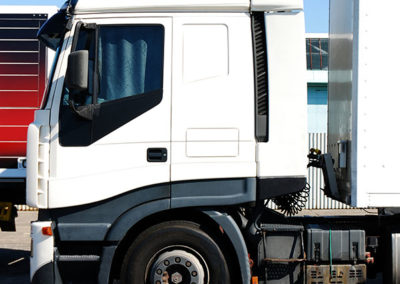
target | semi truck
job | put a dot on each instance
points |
(170, 125)
(23, 76)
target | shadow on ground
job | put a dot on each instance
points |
(14, 266)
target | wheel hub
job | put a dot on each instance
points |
(176, 278)
(181, 267)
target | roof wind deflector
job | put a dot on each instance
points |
(276, 5)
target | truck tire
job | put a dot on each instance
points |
(174, 252)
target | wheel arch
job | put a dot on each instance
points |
(218, 224)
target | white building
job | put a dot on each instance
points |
(317, 81)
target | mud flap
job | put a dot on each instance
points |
(8, 212)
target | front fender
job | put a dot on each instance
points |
(235, 236)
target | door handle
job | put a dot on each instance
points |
(155, 155)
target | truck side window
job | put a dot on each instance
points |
(125, 80)
(130, 61)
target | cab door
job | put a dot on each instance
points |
(113, 136)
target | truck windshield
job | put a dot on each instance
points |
(52, 34)
(50, 80)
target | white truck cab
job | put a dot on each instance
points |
(163, 107)
(169, 97)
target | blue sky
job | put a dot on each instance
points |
(316, 11)
(317, 16)
(57, 3)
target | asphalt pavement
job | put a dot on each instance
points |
(15, 250)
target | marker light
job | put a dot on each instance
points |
(47, 231)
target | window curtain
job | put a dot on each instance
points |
(130, 61)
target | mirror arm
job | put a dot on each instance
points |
(87, 112)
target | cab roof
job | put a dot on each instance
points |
(105, 6)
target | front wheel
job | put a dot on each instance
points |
(177, 252)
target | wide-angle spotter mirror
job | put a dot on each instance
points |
(53, 30)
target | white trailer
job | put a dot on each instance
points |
(169, 126)
(362, 113)
(363, 102)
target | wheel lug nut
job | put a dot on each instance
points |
(159, 271)
(177, 259)
(166, 262)
(188, 264)
(194, 273)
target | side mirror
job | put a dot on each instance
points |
(78, 70)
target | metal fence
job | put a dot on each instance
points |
(317, 198)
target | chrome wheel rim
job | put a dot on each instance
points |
(178, 265)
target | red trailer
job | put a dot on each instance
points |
(24, 67)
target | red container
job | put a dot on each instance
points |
(23, 78)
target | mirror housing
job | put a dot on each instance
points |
(78, 70)
(53, 30)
